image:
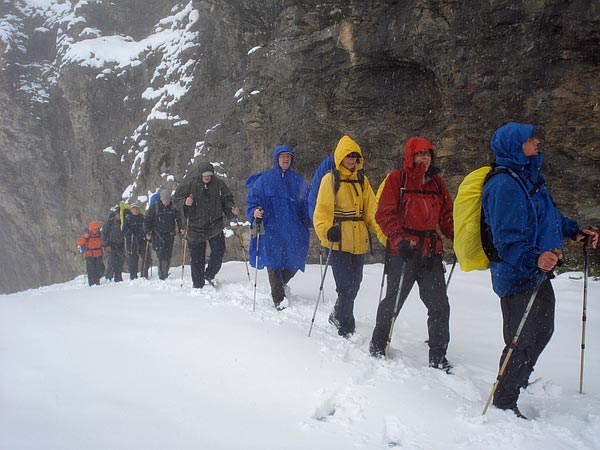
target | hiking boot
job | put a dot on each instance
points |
(440, 364)
(282, 304)
(346, 334)
(518, 413)
(376, 351)
(333, 321)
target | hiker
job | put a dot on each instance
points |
(344, 213)
(414, 201)
(135, 242)
(90, 244)
(113, 242)
(526, 227)
(204, 200)
(276, 203)
(161, 223)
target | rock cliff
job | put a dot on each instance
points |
(109, 100)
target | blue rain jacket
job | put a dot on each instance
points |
(283, 197)
(523, 226)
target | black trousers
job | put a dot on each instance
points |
(429, 275)
(347, 271)
(116, 260)
(201, 272)
(534, 337)
(95, 269)
(163, 244)
(138, 253)
(278, 279)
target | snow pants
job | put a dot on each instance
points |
(428, 272)
(164, 249)
(116, 260)
(347, 271)
(198, 259)
(534, 337)
(95, 269)
(138, 253)
(278, 279)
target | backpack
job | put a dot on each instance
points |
(473, 242)
(336, 180)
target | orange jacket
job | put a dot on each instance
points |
(91, 241)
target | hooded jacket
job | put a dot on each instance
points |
(93, 244)
(212, 201)
(413, 204)
(112, 233)
(353, 206)
(523, 219)
(282, 195)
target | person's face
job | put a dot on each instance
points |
(423, 157)
(206, 179)
(285, 161)
(135, 211)
(349, 162)
(530, 147)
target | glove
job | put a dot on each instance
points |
(81, 249)
(334, 234)
(406, 250)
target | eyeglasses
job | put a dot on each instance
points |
(424, 153)
(353, 155)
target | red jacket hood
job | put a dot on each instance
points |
(414, 145)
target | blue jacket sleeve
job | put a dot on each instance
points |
(254, 199)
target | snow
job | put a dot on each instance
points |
(253, 49)
(154, 365)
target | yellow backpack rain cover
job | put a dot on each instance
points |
(467, 222)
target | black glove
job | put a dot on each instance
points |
(334, 234)
(406, 250)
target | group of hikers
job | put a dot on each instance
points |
(412, 207)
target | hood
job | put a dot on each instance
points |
(282, 149)
(414, 145)
(94, 226)
(507, 143)
(205, 167)
(344, 147)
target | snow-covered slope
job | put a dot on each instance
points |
(153, 365)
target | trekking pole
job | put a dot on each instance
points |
(451, 272)
(400, 285)
(184, 246)
(144, 266)
(258, 223)
(543, 276)
(321, 268)
(586, 269)
(85, 273)
(385, 267)
(239, 235)
(312, 322)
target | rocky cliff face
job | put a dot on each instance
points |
(103, 100)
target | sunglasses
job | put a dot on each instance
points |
(353, 155)
(423, 153)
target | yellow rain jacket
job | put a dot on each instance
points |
(353, 206)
